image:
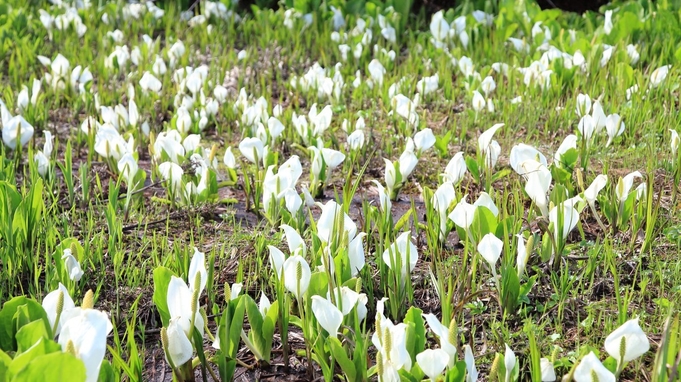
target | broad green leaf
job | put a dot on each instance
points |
(510, 289)
(54, 367)
(341, 357)
(8, 326)
(484, 222)
(30, 333)
(162, 277)
(42, 347)
(319, 284)
(416, 332)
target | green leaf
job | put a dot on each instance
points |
(54, 367)
(8, 319)
(5, 361)
(472, 165)
(510, 289)
(40, 348)
(343, 360)
(235, 326)
(31, 333)
(319, 284)
(106, 372)
(457, 373)
(255, 320)
(162, 277)
(484, 222)
(403, 220)
(416, 332)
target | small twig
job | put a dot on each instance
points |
(132, 227)
(123, 196)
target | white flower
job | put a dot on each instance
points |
(627, 342)
(548, 374)
(356, 140)
(439, 26)
(291, 281)
(149, 82)
(521, 153)
(50, 304)
(624, 185)
(86, 333)
(404, 251)
(614, 127)
(423, 140)
(591, 193)
(376, 71)
(456, 169)
(252, 149)
(72, 265)
(327, 314)
(490, 248)
(583, 105)
(674, 142)
(659, 75)
(488, 85)
(16, 131)
(432, 362)
(591, 369)
(570, 218)
(607, 24)
(478, 102)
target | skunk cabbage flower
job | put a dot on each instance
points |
(607, 23)
(538, 182)
(583, 105)
(432, 362)
(149, 82)
(614, 127)
(443, 197)
(72, 265)
(627, 342)
(570, 142)
(489, 147)
(463, 213)
(180, 349)
(488, 85)
(548, 374)
(591, 369)
(328, 315)
(591, 193)
(521, 153)
(490, 248)
(376, 71)
(674, 142)
(509, 362)
(658, 76)
(172, 173)
(624, 185)
(456, 169)
(439, 27)
(471, 370)
(252, 149)
(51, 305)
(16, 131)
(326, 225)
(407, 252)
(423, 140)
(297, 275)
(85, 334)
(443, 334)
(570, 218)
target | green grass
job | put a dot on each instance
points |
(610, 269)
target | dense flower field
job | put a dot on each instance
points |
(339, 190)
